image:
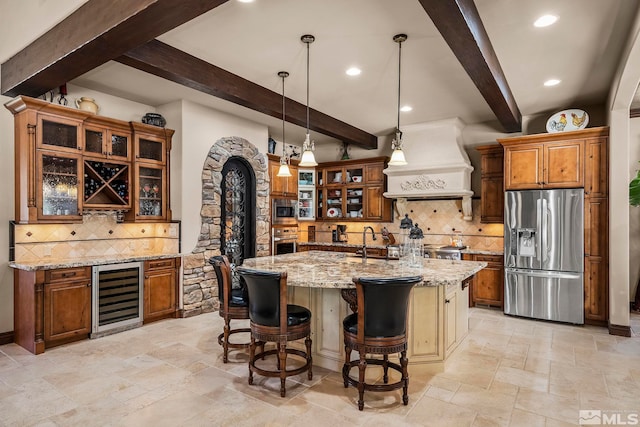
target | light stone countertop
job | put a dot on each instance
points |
(321, 269)
(86, 261)
(354, 245)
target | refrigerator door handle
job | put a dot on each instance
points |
(546, 215)
(538, 229)
(543, 273)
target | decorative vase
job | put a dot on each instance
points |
(272, 146)
(87, 104)
(154, 119)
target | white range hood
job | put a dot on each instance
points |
(438, 167)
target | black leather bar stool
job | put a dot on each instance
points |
(378, 327)
(273, 320)
(234, 304)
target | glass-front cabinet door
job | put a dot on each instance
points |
(151, 186)
(306, 203)
(150, 149)
(108, 143)
(57, 192)
(58, 133)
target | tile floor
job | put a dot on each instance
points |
(507, 372)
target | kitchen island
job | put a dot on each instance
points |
(438, 309)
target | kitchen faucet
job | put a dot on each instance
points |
(364, 240)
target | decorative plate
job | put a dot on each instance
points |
(333, 212)
(567, 120)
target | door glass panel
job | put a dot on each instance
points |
(151, 150)
(119, 145)
(150, 200)
(59, 186)
(93, 141)
(59, 134)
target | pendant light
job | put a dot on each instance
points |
(284, 160)
(397, 157)
(308, 159)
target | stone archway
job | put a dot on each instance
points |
(200, 288)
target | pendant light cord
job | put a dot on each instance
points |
(308, 88)
(399, 79)
(283, 114)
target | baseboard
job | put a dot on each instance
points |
(6, 337)
(620, 330)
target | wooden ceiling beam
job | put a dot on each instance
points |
(98, 31)
(459, 23)
(165, 61)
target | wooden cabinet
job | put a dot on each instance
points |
(487, 286)
(70, 160)
(283, 187)
(544, 161)
(572, 160)
(352, 190)
(456, 316)
(596, 272)
(160, 289)
(67, 305)
(492, 185)
(51, 307)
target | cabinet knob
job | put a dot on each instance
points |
(446, 301)
(89, 285)
(146, 277)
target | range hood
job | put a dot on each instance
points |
(438, 166)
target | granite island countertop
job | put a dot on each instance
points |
(322, 269)
(468, 250)
(52, 264)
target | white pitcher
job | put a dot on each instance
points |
(87, 104)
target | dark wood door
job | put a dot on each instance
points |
(159, 294)
(488, 285)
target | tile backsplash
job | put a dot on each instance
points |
(438, 219)
(98, 235)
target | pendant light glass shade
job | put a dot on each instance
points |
(308, 159)
(397, 157)
(284, 160)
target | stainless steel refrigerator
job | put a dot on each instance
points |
(544, 254)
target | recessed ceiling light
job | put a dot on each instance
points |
(552, 82)
(353, 71)
(245, 1)
(406, 108)
(545, 21)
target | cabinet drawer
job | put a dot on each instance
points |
(158, 264)
(66, 274)
(493, 259)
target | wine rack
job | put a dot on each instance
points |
(106, 183)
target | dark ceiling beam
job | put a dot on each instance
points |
(634, 112)
(98, 31)
(459, 23)
(165, 61)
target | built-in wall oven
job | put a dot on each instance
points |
(283, 240)
(117, 298)
(284, 212)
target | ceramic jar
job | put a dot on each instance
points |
(87, 104)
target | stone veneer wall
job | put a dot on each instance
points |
(200, 286)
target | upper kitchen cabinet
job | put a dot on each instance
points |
(150, 189)
(492, 186)
(107, 138)
(68, 161)
(555, 160)
(283, 187)
(352, 189)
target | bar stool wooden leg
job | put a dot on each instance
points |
(307, 345)
(252, 352)
(362, 366)
(405, 377)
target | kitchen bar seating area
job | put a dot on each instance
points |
(188, 242)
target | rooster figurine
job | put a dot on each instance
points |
(560, 124)
(578, 121)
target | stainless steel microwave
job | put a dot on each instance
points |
(284, 211)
